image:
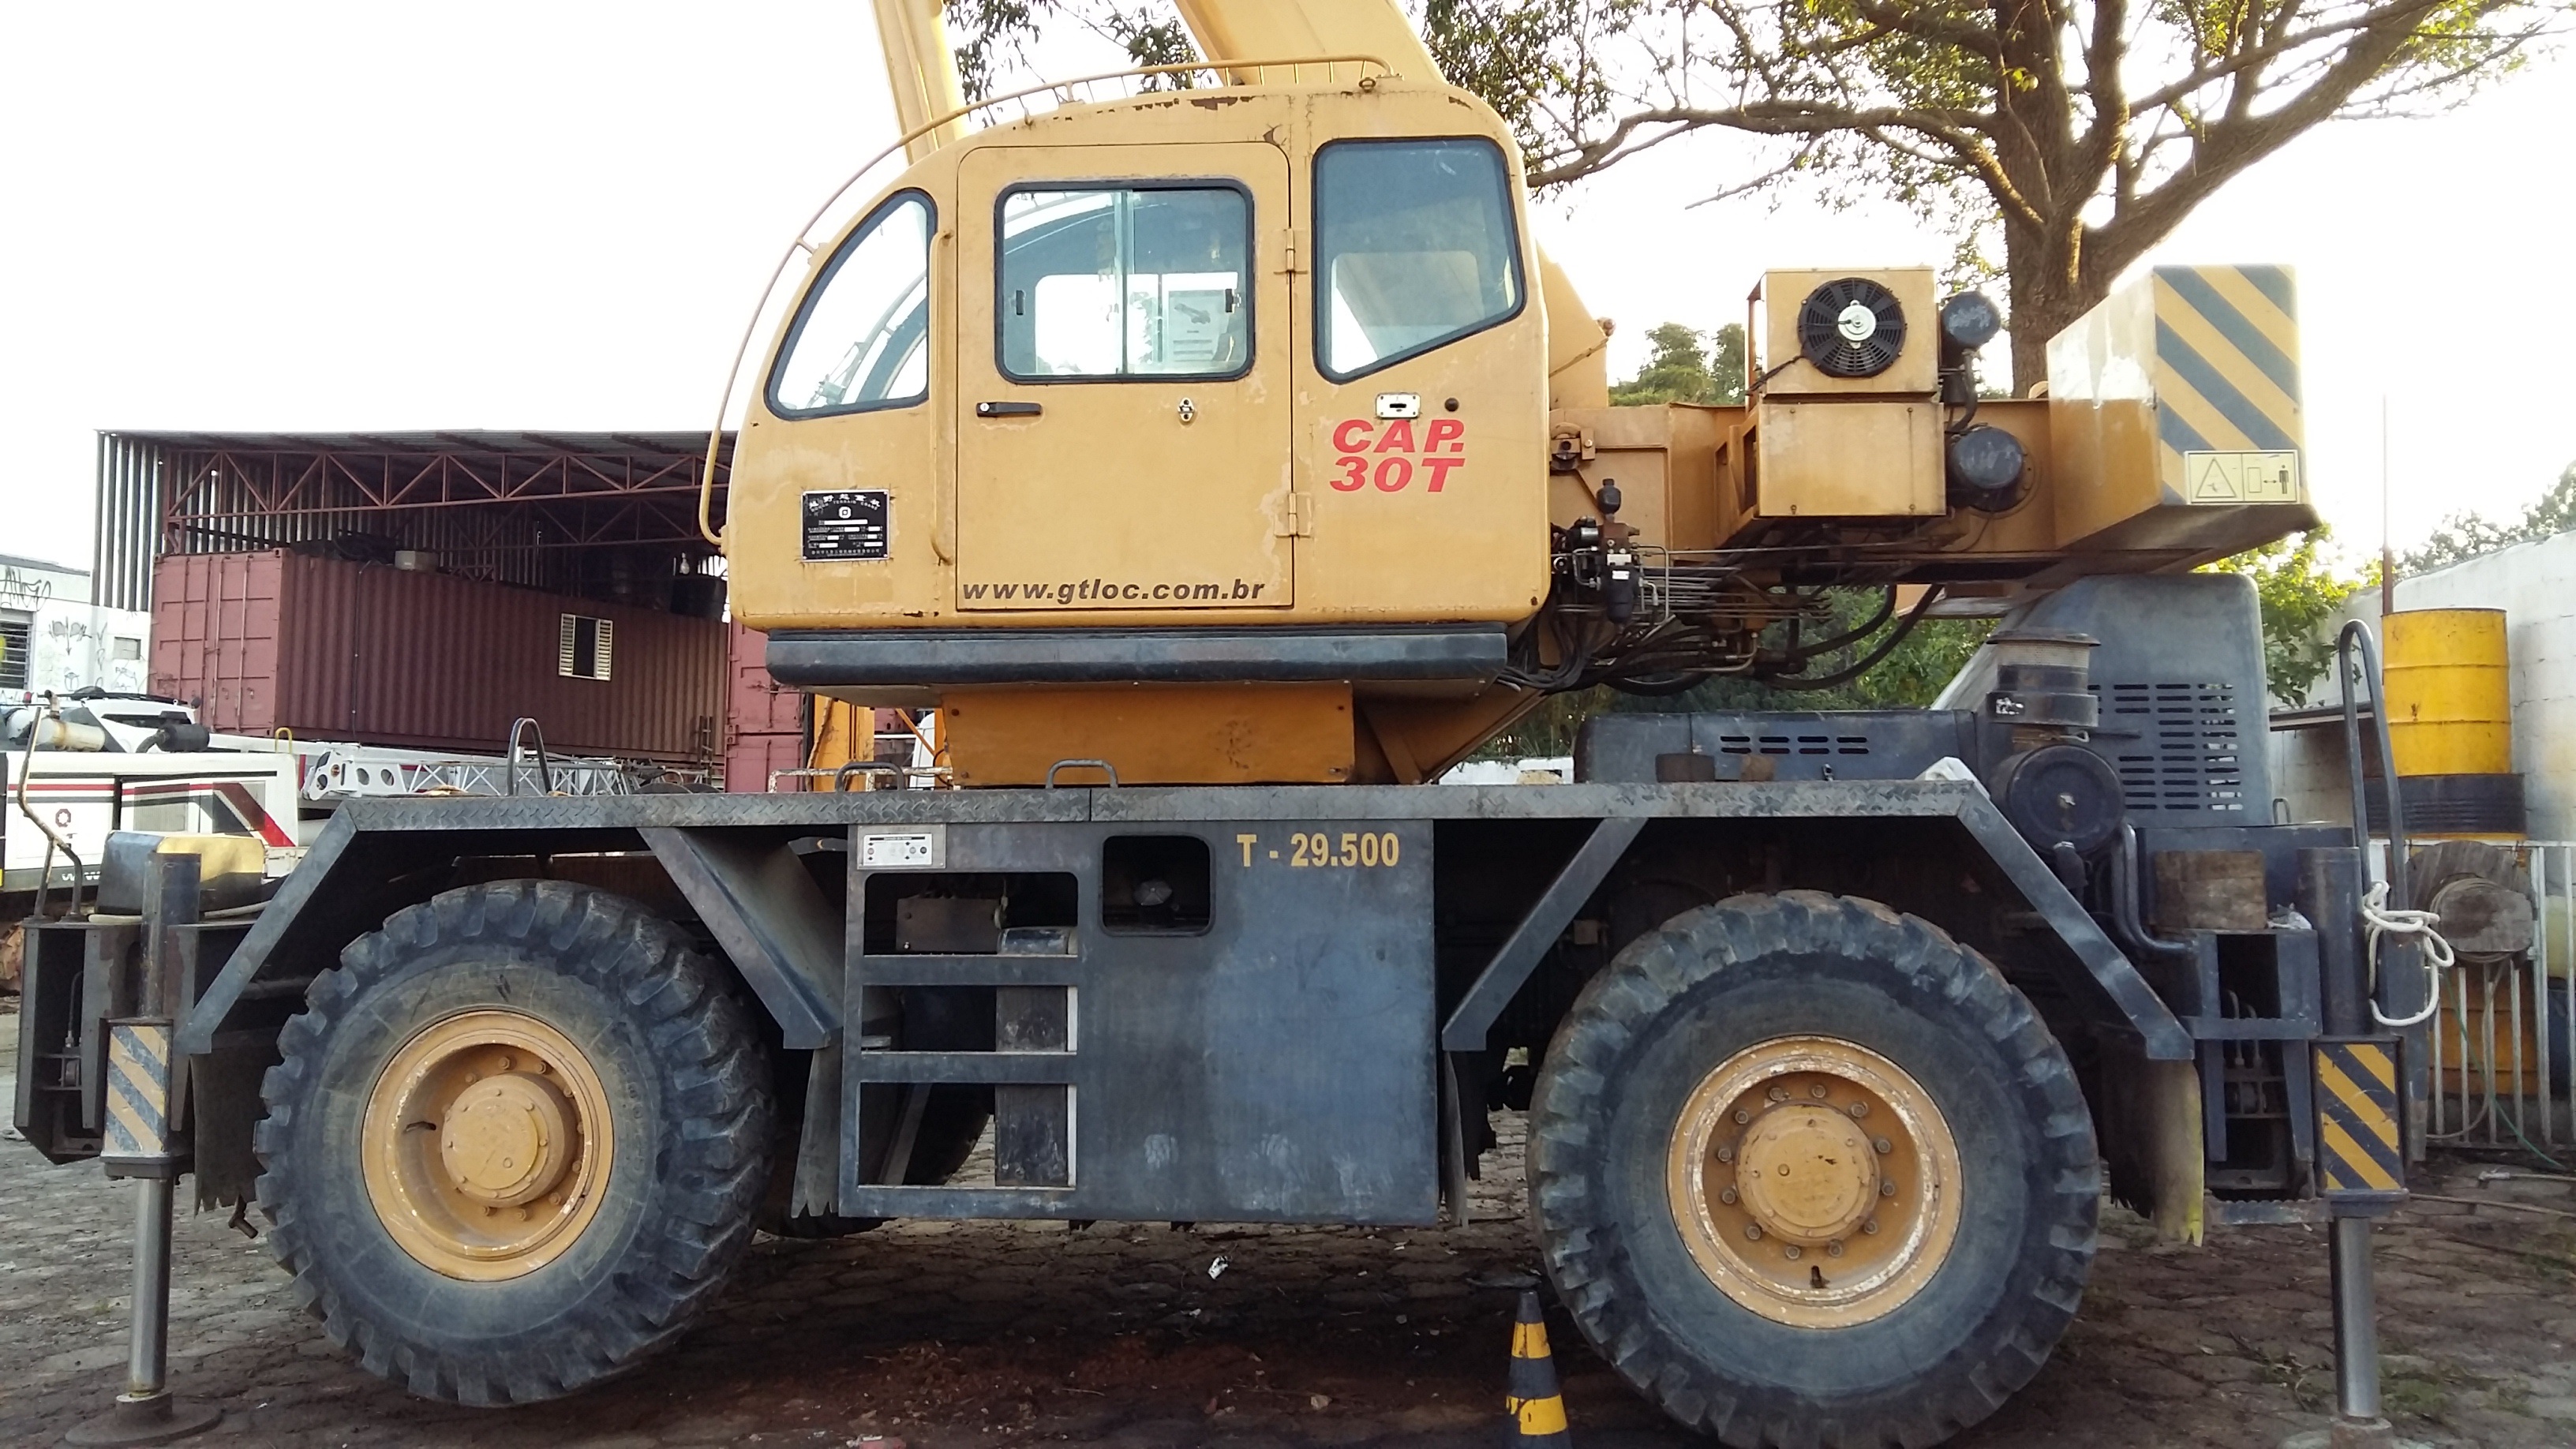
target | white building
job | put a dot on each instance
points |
(53, 638)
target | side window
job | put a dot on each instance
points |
(861, 340)
(1415, 248)
(1125, 282)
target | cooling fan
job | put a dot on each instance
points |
(1851, 327)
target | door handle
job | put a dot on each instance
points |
(1007, 409)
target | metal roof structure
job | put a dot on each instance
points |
(21, 561)
(515, 506)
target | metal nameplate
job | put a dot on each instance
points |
(851, 524)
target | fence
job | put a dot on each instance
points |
(2505, 1038)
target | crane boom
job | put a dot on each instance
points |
(921, 71)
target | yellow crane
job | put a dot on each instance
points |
(1214, 448)
(1297, 475)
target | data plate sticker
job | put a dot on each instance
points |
(851, 524)
(902, 849)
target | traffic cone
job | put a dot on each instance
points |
(1534, 1406)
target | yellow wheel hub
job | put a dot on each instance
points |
(487, 1145)
(1814, 1181)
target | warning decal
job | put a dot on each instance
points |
(2240, 477)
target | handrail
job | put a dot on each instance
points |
(2396, 907)
(2354, 633)
(841, 776)
(545, 767)
(742, 349)
(1103, 766)
(53, 841)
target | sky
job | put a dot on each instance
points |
(325, 216)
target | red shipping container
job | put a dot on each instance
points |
(756, 704)
(342, 651)
(750, 758)
(764, 724)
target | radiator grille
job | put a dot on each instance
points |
(2178, 747)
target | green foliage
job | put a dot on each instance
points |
(2469, 535)
(2302, 590)
(2078, 134)
(991, 37)
(1689, 367)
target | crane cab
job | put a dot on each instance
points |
(1197, 389)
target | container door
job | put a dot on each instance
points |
(1123, 398)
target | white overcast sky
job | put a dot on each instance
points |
(335, 216)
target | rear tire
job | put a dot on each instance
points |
(1827, 1023)
(514, 1143)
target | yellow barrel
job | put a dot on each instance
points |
(2450, 695)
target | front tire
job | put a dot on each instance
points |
(1807, 1172)
(515, 1142)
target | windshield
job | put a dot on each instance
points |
(1415, 247)
(862, 341)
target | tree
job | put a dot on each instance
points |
(2084, 130)
(1689, 367)
(2301, 591)
(2469, 535)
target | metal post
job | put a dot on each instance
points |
(2358, 1421)
(147, 1358)
(143, 1067)
(2329, 895)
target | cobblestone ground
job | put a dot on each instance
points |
(951, 1335)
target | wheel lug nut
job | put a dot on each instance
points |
(1860, 1109)
(1777, 1093)
(1726, 1154)
(1791, 1251)
(1742, 1116)
(501, 1063)
(1727, 1196)
(1817, 1091)
(1834, 1249)
(1886, 1187)
(1753, 1232)
(1870, 1227)
(1884, 1146)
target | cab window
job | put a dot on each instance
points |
(1414, 247)
(861, 339)
(1124, 282)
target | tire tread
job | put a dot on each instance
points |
(1585, 1258)
(713, 1149)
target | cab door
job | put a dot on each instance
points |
(1123, 368)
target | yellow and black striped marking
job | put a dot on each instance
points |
(2357, 1144)
(1533, 1403)
(138, 1089)
(2227, 386)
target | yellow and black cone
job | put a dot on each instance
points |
(1534, 1406)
